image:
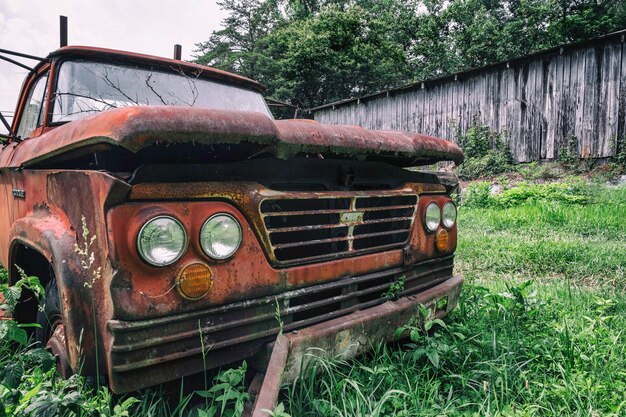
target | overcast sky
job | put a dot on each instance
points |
(145, 26)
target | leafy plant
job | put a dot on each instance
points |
(534, 171)
(620, 156)
(477, 194)
(396, 287)
(423, 343)
(568, 154)
(278, 317)
(279, 411)
(9, 329)
(228, 395)
(480, 194)
(486, 153)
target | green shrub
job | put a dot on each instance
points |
(486, 153)
(476, 142)
(568, 154)
(534, 171)
(11, 330)
(568, 192)
(477, 194)
(564, 192)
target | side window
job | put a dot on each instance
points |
(32, 116)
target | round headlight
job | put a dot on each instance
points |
(433, 217)
(220, 236)
(449, 215)
(162, 241)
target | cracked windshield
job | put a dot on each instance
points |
(85, 88)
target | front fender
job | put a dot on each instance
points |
(55, 239)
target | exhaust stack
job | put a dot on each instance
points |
(63, 30)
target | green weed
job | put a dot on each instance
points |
(395, 288)
(10, 330)
(534, 171)
(569, 154)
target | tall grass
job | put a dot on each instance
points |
(580, 238)
(539, 330)
(503, 352)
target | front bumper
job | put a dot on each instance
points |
(148, 352)
(347, 337)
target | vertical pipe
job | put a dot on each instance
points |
(178, 52)
(63, 30)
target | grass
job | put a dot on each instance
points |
(582, 243)
(540, 330)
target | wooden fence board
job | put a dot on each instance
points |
(539, 103)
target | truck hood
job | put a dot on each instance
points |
(136, 128)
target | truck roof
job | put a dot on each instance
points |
(89, 52)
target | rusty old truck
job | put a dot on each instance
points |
(176, 226)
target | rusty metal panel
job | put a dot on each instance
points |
(140, 290)
(253, 271)
(135, 128)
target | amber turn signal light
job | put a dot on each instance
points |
(195, 281)
(441, 240)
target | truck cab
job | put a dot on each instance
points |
(177, 226)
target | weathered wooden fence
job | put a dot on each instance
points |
(542, 102)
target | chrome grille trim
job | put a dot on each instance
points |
(306, 229)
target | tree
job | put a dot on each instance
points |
(333, 55)
(311, 52)
(238, 46)
(584, 19)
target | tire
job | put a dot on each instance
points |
(49, 314)
(51, 332)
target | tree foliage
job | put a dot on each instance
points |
(310, 52)
(335, 54)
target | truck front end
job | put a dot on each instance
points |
(212, 268)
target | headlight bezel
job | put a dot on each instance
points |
(443, 215)
(234, 251)
(426, 213)
(182, 251)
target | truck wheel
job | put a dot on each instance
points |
(51, 332)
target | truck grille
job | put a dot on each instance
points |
(304, 230)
